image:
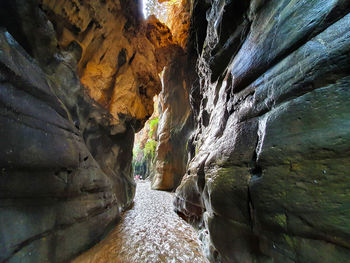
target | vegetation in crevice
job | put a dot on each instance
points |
(150, 149)
(145, 146)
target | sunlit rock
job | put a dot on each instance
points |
(121, 57)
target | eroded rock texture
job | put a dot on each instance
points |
(272, 138)
(178, 20)
(175, 125)
(58, 192)
(65, 158)
(176, 117)
(121, 55)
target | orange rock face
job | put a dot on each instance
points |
(121, 55)
(179, 16)
(178, 19)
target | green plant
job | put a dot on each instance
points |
(150, 149)
(153, 125)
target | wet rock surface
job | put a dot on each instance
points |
(65, 158)
(268, 156)
(149, 232)
(269, 175)
(58, 192)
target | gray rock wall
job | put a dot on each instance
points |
(65, 175)
(270, 173)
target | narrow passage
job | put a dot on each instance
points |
(149, 232)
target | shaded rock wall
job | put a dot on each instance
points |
(175, 125)
(65, 158)
(58, 191)
(269, 176)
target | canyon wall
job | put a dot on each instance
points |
(175, 125)
(255, 118)
(121, 54)
(59, 189)
(77, 81)
(176, 118)
(269, 178)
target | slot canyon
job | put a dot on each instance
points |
(204, 131)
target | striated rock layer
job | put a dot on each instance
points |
(59, 189)
(269, 176)
(66, 144)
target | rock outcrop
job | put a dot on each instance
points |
(178, 20)
(121, 54)
(58, 191)
(259, 137)
(77, 80)
(176, 118)
(175, 125)
(269, 176)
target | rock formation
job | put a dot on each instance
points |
(272, 134)
(77, 80)
(175, 126)
(176, 118)
(121, 55)
(253, 129)
(58, 189)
